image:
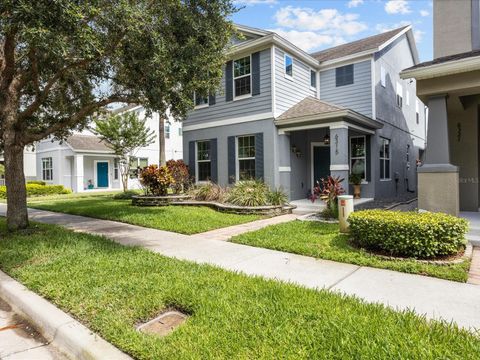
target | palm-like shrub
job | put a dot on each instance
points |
(276, 197)
(248, 193)
(209, 192)
(156, 180)
(179, 171)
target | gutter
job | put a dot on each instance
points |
(442, 69)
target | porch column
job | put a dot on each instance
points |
(438, 181)
(339, 153)
(77, 178)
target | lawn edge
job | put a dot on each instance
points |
(60, 329)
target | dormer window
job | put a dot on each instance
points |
(288, 66)
(242, 79)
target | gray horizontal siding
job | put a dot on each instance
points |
(245, 107)
(357, 96)
(288, 92)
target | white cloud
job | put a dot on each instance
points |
(309, 40)
(424, 13)
(329, 21)
(255, 2)
(354, 3)
(418, 35)
(397, 7)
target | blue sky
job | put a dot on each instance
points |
(319, 24)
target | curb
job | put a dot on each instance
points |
(59, 328)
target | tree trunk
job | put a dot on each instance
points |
(161, 140)
(17, 216)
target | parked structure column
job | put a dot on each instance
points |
(339, 153)
(438, 181)
(77, 180)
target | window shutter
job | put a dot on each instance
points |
(191, 159)
(213, 160)
(211, 100)
(368, 160)
(256, 73)
(231, 160)
(229, 81)
(259, 156)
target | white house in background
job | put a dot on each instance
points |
(84, 163)
(29, 165)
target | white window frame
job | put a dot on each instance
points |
(167, 131)
(399, 94)
(389, 158)
(48, 170)
(237, 158)
(202, 161)
(201, 106)
(290, 77)
(364, 157)
(316, 80)
(245, 96)
(116, 169)
(137, 160)
(383, 77)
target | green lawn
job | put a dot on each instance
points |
(180, 219)
(322, 240)
(111, 288)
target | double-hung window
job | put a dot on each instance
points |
(246, 157)
(288, 66)
(385, 159)
(200, 101)
(313, 79)
(242, 78)
(137, 164)
(167, 131)
(358, 164)
(203, 163)
(47, 169)
(115, 169)
(399, 95)
(344, 75)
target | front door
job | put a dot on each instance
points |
(321, 163)
(102, 174)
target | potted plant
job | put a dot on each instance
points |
(356, 181)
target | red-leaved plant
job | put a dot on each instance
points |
(179, 171)
(328, 190)
(156, 179)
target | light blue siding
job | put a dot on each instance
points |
(289, 91)
(254, 105)
(357, 96)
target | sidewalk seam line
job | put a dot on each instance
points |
(343, 278)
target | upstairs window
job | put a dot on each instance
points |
(399, 95)
(246, 157)
(242, 79)
(344, 75)
(383, 77)
(203, 161)
(167, 131)
(385, 160)
(47, 169)
(200, 101)
(288, 66)
(313, 79)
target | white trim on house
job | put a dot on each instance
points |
(244, 96)
(339, 167)
(312, 165)
(203, 161)
(285, 55)
(347, 60)
(332, 125)
(272, 61)
(237, 158)
(442, 69)
(373, 81)
(230, 121)
(284, 169)
(364, 180)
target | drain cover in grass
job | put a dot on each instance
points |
(164, 324)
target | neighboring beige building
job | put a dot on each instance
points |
(448, 180)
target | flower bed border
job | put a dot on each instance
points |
(185, 200)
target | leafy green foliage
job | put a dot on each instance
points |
(329, 190)
(38, 190)
(180, 219)
(276, 197)
(410, 234)
(355, 179)
(248, 193)
(180, 174)
(156, 180)
(2, 170)
(126, 195)
(233, 316)
(209, 192)
(323, 241)
(37, 182)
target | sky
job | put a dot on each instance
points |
(319, 24)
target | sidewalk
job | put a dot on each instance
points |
(434, 298)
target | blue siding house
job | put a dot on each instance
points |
(290, 118)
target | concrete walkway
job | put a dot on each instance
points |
(434, 298)
(19, 340)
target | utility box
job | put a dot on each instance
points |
(345, 207)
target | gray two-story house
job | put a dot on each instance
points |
(291, 118)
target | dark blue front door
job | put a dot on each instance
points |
(321, 163)
(102, 174)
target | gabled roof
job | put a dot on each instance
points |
(374, 42)
(89, 143)
(309, 106)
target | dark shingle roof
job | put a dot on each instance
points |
(87, 143)
(309, 106)
(353, 47)
(445, 59)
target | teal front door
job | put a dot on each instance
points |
(102, 174)
(321, 163)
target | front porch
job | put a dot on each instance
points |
(93, 172)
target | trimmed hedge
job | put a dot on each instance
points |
(38, 190)
(408, 234)
(37, 182)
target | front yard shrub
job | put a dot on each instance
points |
(329, 190)
(408, 234)
(209, 192)
(125, 195)
(179, 171)
(156, 180)
(276, 197)
(248, 193)
(38, 190)
(37, 182)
